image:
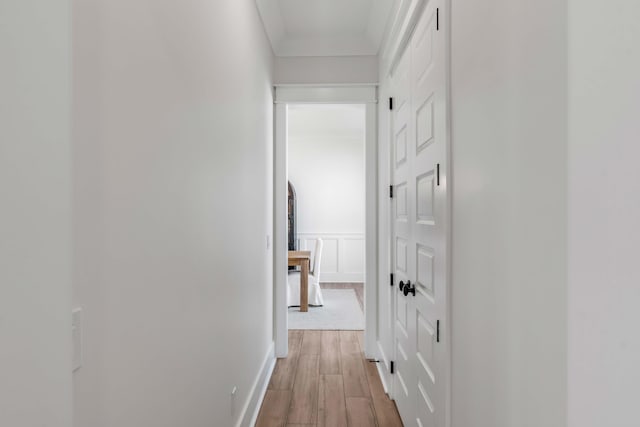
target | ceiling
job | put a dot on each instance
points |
(325, 27)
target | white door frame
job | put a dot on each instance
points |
(324, 94)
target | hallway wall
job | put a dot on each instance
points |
(509, 213)
(326, 70)
(604, 212)
(173, 205)
(35, 213)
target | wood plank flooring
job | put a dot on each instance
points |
(326, 382)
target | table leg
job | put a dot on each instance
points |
(304, 286)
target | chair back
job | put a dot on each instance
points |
(317, 255)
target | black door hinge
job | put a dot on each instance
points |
(391, 191)
(438, 174)
(437, 331)
(391, 104)
(391, 279)
(392, 367)
(438, 19)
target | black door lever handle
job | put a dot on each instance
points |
(404, 286)
(409, 289)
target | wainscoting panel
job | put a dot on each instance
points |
(343, 255)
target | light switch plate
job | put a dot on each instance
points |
(76, 334)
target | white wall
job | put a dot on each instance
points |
(604, 212)
(326, 167)
(509, 212)
(35, 214)
(173, 203)
(326, 70)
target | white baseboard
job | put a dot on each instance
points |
(383, 367)
(341, 277)
(381, 373)
(251, 408)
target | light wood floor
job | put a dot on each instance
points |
(326, 381)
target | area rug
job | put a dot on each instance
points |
(341, 311)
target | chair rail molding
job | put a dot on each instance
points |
(343, 255)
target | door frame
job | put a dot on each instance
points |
(324, 94)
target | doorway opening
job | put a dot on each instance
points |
(325, 211)
(326, 214)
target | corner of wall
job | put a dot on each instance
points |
(256, 396)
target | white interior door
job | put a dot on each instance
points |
(403, 375)
(421, 222)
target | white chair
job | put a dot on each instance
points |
(293, 285)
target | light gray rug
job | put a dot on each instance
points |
(341, 310)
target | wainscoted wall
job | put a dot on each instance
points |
(326, 166)
(343, 255)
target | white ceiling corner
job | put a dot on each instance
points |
(325, 27)
(272, 20)
(379, 19)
